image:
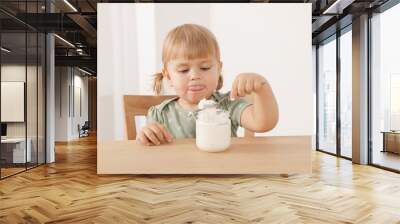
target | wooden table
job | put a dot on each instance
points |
(258, 155)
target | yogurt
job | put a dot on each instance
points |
(213, 128)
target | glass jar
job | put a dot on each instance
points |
(213, 130)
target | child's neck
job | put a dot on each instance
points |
(187, 105)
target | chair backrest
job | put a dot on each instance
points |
(138, 105)
(86, 125)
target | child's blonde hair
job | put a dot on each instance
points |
(191, 41)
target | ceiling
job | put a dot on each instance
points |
(76, 22)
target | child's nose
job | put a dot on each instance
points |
(195, 74)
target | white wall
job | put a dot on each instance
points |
(12, 73)
(252, 38)
(61, 103)
(67, 81)
(80, 83)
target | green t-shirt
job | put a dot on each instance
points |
(180, 122)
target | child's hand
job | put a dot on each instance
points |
(246, 83)
(154, 134)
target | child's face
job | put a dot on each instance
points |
(194, 79)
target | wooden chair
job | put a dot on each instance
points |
(138, 105)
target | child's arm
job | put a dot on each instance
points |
(263, 115)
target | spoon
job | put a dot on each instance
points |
(207, 104)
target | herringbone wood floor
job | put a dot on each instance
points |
(69, 191)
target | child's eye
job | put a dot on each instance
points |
(187, 70)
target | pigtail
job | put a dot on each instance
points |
(158, 81)
(220, 82)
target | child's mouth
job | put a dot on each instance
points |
(196, 88)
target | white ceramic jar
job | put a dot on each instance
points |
(213, 130)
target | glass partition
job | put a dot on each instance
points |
(22, 77)
(13, 105)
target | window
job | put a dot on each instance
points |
(327, 96)
(385, 88)
(346, 93)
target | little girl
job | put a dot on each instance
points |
(192, 66)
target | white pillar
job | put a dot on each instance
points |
(360, 90)
(50, 92)
(50, 99)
